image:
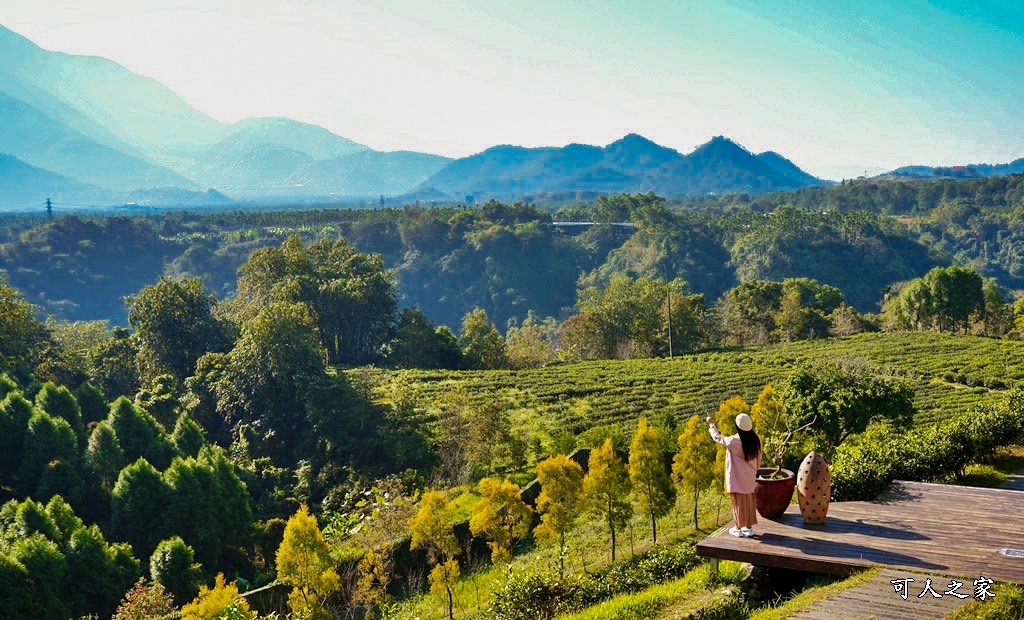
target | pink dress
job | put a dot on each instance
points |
(740, 474)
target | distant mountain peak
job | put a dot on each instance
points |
(722, 144)
(631, 163)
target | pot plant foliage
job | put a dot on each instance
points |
(778, 430)
(840, 399)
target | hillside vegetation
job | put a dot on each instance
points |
(949, 373)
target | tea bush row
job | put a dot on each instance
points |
(862, 470)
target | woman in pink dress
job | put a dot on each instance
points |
(742, 459)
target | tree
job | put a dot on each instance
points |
(139, 434)
(304, 562)
(631, 316)
(443, 578)
(264, 380)
(527, 346)
(208, 505)
(349, 294)
(748, 311)
(944, 299)
(59, 402)
(488, 433)
(218, 603)
(845, 322)
(776, 427)
(145, 602)
(648, 475)
(844, 399)
(501, 516)
(114, 369)
(92, 403)
(419, 344)
(693, 465)
(22, 336)
(160, 399)
(371, 589)
(104, 458)
(431, 528)
(606, 489)
(793, 319)
(139, 504)
(103, 573)
(997, 315)
(15, 413)
(482, 345)
(561, 488)
(173, 566)
(957, 294)
(188, 437)
(47, 439)
(175, 326)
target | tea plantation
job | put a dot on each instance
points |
(949, 373)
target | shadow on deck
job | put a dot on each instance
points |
(942, 529)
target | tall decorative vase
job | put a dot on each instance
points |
(813, 488)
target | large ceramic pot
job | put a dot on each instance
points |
(773, 496)
(813, 488)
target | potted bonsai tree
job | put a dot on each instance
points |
(775, 485)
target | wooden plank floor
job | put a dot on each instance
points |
(933, 528)
(877, 598)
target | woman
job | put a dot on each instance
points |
(742, 459)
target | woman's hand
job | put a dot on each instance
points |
(710, 421)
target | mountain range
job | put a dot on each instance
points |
(85, 129)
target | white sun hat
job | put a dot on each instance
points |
(743, 422)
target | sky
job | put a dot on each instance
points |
(838, 87)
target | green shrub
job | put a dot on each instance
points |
(862, 470)
(530, 595)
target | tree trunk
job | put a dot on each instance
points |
(654, 527)
(451, 605)
(632, 550)
(561, 557)
(611, 526)
(696, 496)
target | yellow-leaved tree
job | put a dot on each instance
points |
(431, 528)
(304, 562)
(223, 600)
(371, 589)
(606, 489)
(561, 487)
(693, 464)
(500, 516)
(652, 486)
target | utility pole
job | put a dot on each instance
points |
(49, 208)
(670, 322)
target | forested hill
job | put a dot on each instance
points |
(510, 260)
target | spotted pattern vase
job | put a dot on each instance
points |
(813, 488)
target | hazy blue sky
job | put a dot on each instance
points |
(839, 87)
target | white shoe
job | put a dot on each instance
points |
(735, 531)
(746, 532)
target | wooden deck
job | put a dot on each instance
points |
(932, 528)
(876, 598)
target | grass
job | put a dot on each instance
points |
(810, 596)
(994, 473)
(589, 548)
(653, 600)
(1007, 605)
